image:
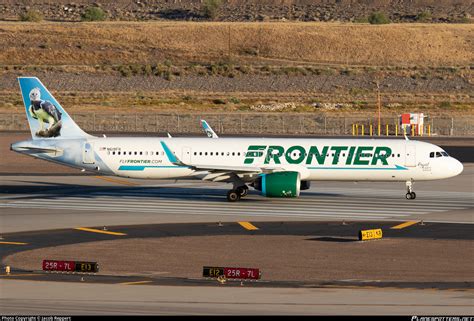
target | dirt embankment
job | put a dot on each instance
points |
(100, 44)
(231, 66)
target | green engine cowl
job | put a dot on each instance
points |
(280, 184)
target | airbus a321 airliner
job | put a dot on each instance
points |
(278, 167)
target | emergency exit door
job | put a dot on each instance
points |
(410, 155)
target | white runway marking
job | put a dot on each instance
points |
(331, 203)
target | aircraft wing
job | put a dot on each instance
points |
(234, 169)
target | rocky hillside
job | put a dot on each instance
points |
(250, 10)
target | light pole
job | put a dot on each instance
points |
(378, 103)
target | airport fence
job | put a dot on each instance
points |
(247, 123)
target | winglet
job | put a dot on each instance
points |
(208, 130)
(169, 135)
(171, 156)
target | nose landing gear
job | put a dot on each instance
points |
(410, 195)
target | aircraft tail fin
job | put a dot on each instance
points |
(46, 117)
(208, 130)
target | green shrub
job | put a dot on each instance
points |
(378, 18)
(424, 16)
(168, 75)
(234, 100)
(135, 69)
(361, 20)
(209, 8)
(93, 14)
(464, 19)
(125, 71)
(445, 105)
(32, 16)
(245, 69)
(147, 70)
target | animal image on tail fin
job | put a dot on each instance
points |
(45, 112)
(46, 117)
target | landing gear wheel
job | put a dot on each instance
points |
(243, 191)
(233, 195)
(410, 195)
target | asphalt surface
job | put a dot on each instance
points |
(72, 298)
(41, 207)
(317, 231)
(53, 202)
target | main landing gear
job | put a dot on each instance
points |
(410, 195)
(236, 194)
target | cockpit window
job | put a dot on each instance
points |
(439, 154)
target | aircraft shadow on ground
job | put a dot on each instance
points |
(59, 190)
(332, 239)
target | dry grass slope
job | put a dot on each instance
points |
(185, 43)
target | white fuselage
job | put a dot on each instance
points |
(278, 167)
(315, 159)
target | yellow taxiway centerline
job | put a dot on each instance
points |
(11, 275)
(248, 226)
(403, 225)
(135, 283)
(13, 243)
(99, 231)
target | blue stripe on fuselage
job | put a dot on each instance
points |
(396, 168)
(141, 168)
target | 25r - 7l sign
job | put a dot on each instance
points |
(231, 273)
(70, 266)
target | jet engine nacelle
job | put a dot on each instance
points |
(279, 184)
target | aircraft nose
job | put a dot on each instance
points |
(456, 167)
